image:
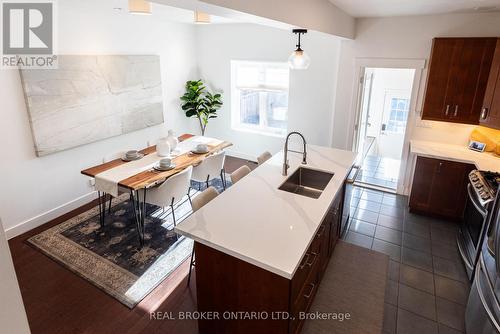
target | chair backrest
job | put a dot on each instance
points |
(175, 187)
(240, 173)
(211, 166)
(264, 157)
(203, 198)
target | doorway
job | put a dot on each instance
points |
(383, 112)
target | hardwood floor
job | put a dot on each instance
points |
(59, 301)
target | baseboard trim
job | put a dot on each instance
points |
(45, 217)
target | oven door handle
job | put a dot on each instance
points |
(473, 200)
(351, 180)
(477, 281)
(462, 254)
(496, 235)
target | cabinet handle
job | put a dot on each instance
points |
(439, 167)
(447, 110)
(320, 232)
(313, 260)
(307, 296)
(306, 258)
(456, 111)
(484, 113)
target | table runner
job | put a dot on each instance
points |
(108, 181)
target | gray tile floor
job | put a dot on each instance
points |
(427, 288)
(379, 171)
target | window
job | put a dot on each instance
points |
(259, 97)
(398, 115)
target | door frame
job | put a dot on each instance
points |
(360, 65)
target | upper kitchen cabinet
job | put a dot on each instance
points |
(458, 75)
(490, 113)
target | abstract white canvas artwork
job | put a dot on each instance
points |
(90, 98)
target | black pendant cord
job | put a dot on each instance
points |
(299, 32)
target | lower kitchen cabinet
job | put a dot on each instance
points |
(227, 285)
(439, 188)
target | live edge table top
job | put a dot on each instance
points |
(150, 177)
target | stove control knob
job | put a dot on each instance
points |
(478, 185)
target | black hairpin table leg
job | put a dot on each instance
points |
(102, 207)
(139, 205)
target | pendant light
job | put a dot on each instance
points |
(299, 60)
(139, 7)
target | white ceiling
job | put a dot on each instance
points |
(161, 12)
(379, 8)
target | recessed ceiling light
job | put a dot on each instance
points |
(139, 7)
(201, 17)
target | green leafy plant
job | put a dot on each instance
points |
(200, 103)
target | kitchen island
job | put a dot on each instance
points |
(261, 249)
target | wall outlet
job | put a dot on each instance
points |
(92, 182)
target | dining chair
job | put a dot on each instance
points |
(199, 201)
(264, 157)
(211, 168)
(240, 173)
(171, 191)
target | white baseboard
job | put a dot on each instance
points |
(45, 217)
(240, 155)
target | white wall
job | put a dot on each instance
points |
(34, 189)
(404, 37)
(12, 314)
(311, 92)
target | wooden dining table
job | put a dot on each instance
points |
(138, 184)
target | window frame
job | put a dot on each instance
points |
(261, 128)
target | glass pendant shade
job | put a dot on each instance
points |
(139, 7)
(299, 60)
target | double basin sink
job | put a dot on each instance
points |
(307, 182)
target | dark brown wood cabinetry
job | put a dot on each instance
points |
(490, 113)
(226, 285)
(439, 188)
(458, 75)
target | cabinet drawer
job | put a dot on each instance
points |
(305, 298)
(312, 257)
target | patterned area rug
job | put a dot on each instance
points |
(110, 258)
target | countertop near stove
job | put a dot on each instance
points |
(483, 161)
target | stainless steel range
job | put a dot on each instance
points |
(482, 189)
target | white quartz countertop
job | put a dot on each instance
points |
(270, 228)
(482, 160)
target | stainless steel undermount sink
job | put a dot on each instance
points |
(307, 182)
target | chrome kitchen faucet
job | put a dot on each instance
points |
(304, 153)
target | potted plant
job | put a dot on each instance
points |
(200, 103)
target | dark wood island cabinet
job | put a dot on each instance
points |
(233, 289)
